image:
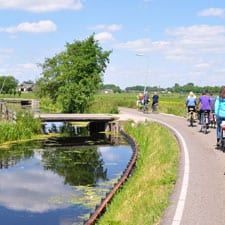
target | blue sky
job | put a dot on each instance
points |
(154, 42)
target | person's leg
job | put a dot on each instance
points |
(201, 116)
(218, 129)
(208, 112)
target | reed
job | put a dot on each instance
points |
(25, 128)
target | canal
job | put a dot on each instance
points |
(59, 181)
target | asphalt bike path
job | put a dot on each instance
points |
(199, 195)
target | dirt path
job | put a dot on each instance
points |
(199, 195)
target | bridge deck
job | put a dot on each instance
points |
(54, 117)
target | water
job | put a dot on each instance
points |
(47, 183)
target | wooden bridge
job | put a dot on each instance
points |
(97, 122)
(58, 117)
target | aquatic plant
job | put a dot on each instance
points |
(25, 128)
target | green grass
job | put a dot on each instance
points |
(25, 128)
(144, 197)
(24, 95)
(109, 103)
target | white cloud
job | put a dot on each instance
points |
(22, 72)
(39, 27)
(112, 27)
(202, 65)
(104, 36)
(5, 54)
(197, 48)
(31, 196)
(40, 6)
(199, 39)
(212, 12)
(143, 45)
(197, 31)
(187, 42)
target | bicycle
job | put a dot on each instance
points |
(191, 116)
(212, 120)
(222, 135)
(145, 108)
(204, 121)
(155, 107)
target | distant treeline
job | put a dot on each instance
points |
(177, 88)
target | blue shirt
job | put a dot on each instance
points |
(220, 107)
(191, 101)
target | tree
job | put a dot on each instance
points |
(28, 82)
(72, 77)
(7, 83)
(116, 89)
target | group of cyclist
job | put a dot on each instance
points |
(210, 105)
(143, 101)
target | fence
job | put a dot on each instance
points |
(8, 113)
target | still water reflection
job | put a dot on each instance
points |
(57, 185)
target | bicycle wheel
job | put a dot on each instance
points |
(222, 138)
(192, 120)
(222, 144)
(145, 108)
(204, 126)
(206, 123)
(202, 122)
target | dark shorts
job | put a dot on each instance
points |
(191, 109)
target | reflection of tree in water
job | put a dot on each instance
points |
(78, 165)
(83, 166)
(17, 152)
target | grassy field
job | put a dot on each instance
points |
(168, 103)
(109, 103)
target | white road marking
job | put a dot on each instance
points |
(184, 187)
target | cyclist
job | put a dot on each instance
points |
(155, 101)
(212, 102)
(191, 103)
(204, 101)
(220, 112)
(139, 98)
(145, 101)
(212, 110)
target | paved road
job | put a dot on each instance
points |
(199, 195)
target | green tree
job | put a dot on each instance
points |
(116, 89)
(28, 82)
(72, 77)
(7, 83)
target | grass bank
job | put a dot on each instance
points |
(144, 197)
